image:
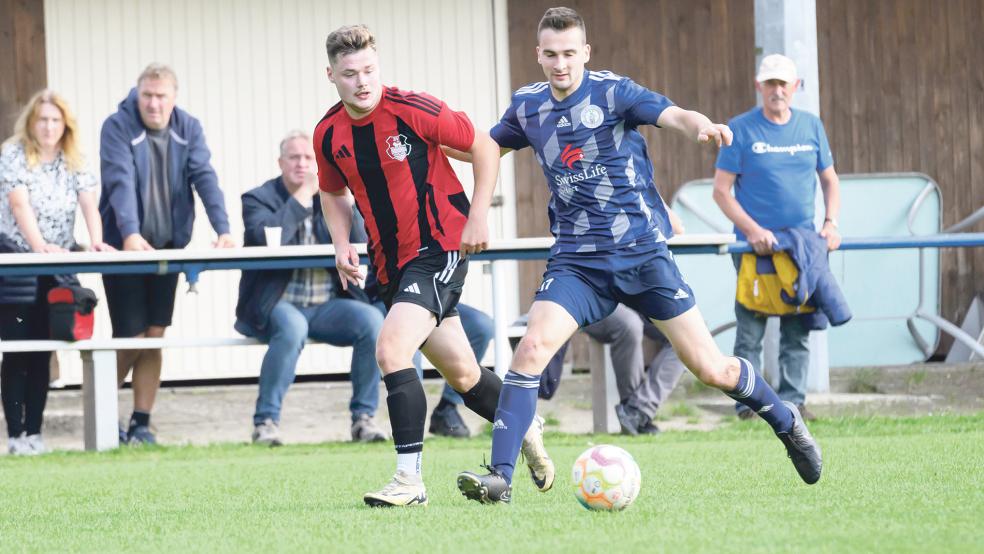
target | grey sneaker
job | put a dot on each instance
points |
(487, 489)
(535, 453)
(267, 433)
(629, 419)
(402, 490)
(364, 429)
(17, 446)
(140, 435)
(802, 449)
(35, 443)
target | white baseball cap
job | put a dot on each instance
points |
(776, 66)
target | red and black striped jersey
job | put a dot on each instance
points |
(403, 184)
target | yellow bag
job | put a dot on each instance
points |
(762, 278)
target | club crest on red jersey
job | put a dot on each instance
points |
(399, 148)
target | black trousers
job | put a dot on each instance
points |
(24, 375)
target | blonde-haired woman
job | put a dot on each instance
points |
(42, 183)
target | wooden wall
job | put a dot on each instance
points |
(902, 89)
(699, 53)
(22, 58)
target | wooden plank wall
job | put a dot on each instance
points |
(699, 53)
(22, 58)
(902, 89)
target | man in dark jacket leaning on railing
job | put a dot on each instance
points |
(152, 155)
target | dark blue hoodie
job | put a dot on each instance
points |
(125, 167)
(815, 282)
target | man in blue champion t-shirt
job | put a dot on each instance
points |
(611, 228)
(773, 165)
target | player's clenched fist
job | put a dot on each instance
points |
(474, 237)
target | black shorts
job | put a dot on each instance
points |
(433, 281)
(137, 302)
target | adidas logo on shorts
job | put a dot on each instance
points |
(413, 288)
(563, 122)
(680, 294)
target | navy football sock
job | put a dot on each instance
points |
(517, 406)
(755, 393)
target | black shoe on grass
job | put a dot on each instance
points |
(802, 448)
(447, 422)
(490, 488)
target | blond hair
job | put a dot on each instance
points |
(347, 40)
(24, 131)
(158, 71)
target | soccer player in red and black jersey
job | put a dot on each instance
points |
(382, 146)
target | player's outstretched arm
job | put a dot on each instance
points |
(695, 125)
(466, 156)
(485, 165)
(336, 207)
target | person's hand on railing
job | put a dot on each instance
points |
(48, 248)
(224, 241)
(762, 241)
(830, 232)
(136, 242)
(102, 247)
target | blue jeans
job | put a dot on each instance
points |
(794, 349)
(480, 331)
(339, 322)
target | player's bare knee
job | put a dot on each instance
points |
(390, 357)
(532, 354)
(714, 375)
(464, 379)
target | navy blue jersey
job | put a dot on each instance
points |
(595, 160)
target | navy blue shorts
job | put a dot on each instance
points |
(590, 284)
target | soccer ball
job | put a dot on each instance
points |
(606, 478)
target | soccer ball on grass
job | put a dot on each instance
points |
(606, 478)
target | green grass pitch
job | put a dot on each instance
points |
(889, 485)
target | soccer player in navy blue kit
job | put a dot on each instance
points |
(611, 228)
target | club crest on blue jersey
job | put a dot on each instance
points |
(592, 117)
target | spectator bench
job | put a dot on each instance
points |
(100, 405)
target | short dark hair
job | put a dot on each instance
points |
(561, 19)
(347, 40)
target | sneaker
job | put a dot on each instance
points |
(267, 433)
(537, 459)
(746, 414)
(802, 449)
(403, 490)
(807, 414)
(364, 429)
(487, 489)
(17, 446)
(648, 428)
(629, 419)
(35, 443)
(140, 435)
(122, 435)
(447, 422)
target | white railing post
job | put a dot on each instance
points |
(100, 405)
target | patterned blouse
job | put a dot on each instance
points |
(53, 190)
